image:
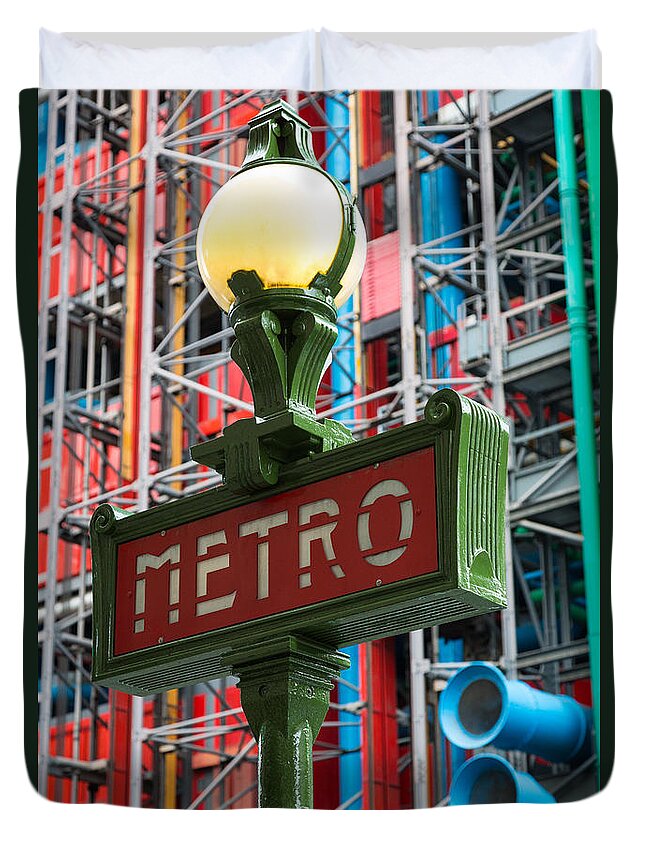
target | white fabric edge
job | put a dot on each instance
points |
(283, 62)
(570, 62)
(315, 69)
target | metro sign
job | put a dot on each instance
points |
(397, 532)
(349, 533)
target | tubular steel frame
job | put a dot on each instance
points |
(496, 260)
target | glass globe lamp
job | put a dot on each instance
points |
(288, 221)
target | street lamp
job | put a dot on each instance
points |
(280, 247)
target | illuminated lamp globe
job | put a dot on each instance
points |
(282, 220)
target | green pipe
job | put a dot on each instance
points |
(583, 402)
(576, 589)
(577, 613)
(591, 122)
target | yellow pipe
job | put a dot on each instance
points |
(176, 429)
(553, 163)
(133, 277)
(170, 758)
(179, 296)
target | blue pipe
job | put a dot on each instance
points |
(480, 707)
(533, 577)
(527, 638)
(343, 372)
(43, 115)
(86, 691)
(343, 378)
(43, 120)
(491, 779)
(440, 215)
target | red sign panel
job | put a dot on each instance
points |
(356, 531)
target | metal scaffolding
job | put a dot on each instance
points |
(134, 368)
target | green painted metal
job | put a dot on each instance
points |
(282, 343)
(284, 687)
(591, 121)
(471, 449)
(278, 132)
(583, 400)
(283, 339)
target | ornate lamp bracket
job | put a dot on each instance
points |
(283, 339)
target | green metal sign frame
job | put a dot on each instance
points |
(471, 447)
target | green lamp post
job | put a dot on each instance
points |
(280, 247)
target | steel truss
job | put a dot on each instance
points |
(514, 348)
(512, 357)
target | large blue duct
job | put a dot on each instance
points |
(480, 707)
(491, 779)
